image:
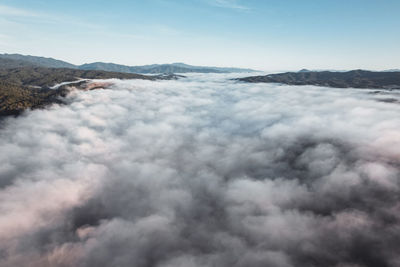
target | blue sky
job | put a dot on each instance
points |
(262, 34)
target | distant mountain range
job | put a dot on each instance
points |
(348, 79)
(17, 60)
(9, 60)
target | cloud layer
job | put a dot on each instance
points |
(203, 172)
(233, 4)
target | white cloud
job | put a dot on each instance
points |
(16, 12)
(202, 171)
(28, 16)
(233, 4)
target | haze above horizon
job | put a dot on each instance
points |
(265, 35)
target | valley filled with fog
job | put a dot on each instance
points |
(203, 171)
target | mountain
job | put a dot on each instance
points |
(304, 70)
(353, 79)
(105, 67)
(159, 68)
(221, 69)
(33, 87)
(48, 77)
(17, 60)
(6, 63)
(38, 61)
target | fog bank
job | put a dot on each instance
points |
(203, 171)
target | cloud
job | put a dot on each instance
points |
(25, 17)
(16, 12)
(202, 171)
(162, 29)
(232, 4)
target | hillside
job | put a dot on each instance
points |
(354, 79)
(47, 77)
(29, 87)
(38, 61)
(159, 68)
(22, 60)
(7, 63)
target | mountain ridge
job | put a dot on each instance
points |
(47, 62)
(35, 87)
(109, 66)
(349, 79)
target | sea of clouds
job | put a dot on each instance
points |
(203, 171)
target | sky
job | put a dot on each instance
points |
(265, 35)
